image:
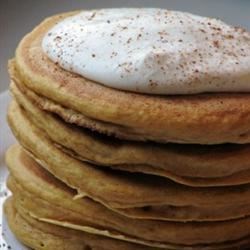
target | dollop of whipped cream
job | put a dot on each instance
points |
(153, 51)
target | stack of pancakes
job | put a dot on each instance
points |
(99, 168)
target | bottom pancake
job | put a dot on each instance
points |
(30, 176)
(39, 235)
(42, 235)
(49, 200)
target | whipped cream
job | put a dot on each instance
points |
(153, 51)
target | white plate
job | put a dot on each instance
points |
(7, 239)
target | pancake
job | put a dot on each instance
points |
(175, 233)
(185, 213)
(111, 187)
(46, 212)
(40, 235)
(181, 163)
(27, 176)
(181, 119)
(94, 220)
(90, 218)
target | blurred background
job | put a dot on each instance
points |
(19, 17)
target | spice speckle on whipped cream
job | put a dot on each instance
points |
(153, 51)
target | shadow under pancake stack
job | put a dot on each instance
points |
(103, 168)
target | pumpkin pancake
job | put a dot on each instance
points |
(47, 212)
(40, 235)
(45, 198)
(221, 164)
(175, 233)
(27, 176)
(173, 213)
(200, 118)
(113, 188)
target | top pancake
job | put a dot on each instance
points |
(202, 119)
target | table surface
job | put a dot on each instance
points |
(19, 17)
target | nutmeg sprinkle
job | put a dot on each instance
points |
(152, 51)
